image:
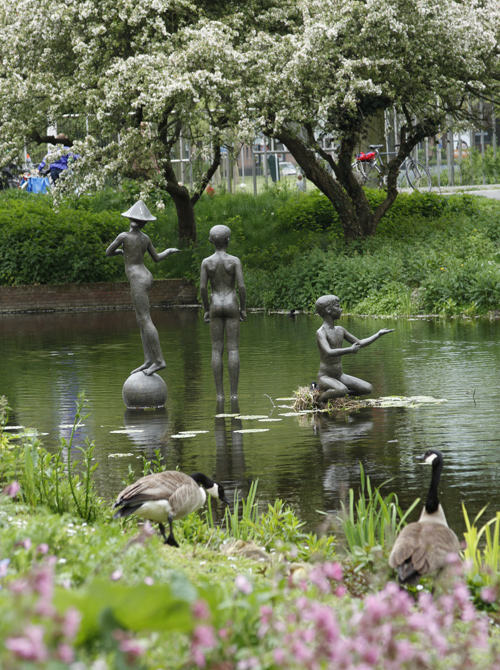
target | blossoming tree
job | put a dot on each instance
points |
(145, 71)
(313, 69)
(114, 62)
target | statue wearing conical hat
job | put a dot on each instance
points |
(133, 244)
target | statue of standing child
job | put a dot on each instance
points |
(133, 244)
(223, 311)
(329, 337)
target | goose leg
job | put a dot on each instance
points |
(162, 531)
(170, 540)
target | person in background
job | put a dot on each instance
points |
(301, 183)
(61, 163)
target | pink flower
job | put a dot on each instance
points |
(43, 582)
(149, 581)
(279, 656)
(489, 594)
(65, 653)
(30, 647)
(71, 623)
(25, 544)
(333, 571)
(42, 548)
(116, 575)
(200, 609)
(4, 564)
(131, 647)
(20, 586)
(243, 585)
(203, 639)
(204, 636)
(12, 489)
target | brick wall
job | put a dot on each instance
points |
(92, 297)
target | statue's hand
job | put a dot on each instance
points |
(355, 348)
(384, 331)
(243, 315)
(173, 250)
(118, 252)
(206, 317)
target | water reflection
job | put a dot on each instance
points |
(147, 430)
(308, 460)
(230, 458)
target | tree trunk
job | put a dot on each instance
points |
(344, 192)
(186, 223)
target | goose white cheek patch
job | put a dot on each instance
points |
(214, 491)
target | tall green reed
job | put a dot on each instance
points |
(372, 521)
(58, 481)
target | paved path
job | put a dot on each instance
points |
(487, 191)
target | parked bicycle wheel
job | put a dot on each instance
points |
(417, 177)
(369, 173)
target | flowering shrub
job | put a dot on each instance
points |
(35, 630)
(323, 628)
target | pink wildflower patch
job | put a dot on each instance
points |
(243, 585)
(71, 623)
(200, 609)
(12, 489)
(30, 646)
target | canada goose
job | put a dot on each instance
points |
(166, 496)
(423, 547)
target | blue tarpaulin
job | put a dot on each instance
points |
(38, 185)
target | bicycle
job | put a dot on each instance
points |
(370, 170)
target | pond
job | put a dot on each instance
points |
(309, 461)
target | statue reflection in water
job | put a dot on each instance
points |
(230, 459)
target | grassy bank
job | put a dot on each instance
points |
(431, 254)
(253, 591)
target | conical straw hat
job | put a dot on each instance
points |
(139, 212)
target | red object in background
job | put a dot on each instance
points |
(366, 157)
(210, 190)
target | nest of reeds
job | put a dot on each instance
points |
(307, 399)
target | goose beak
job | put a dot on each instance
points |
(224, 499)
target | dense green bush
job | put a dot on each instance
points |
(431, 253)
(41, 246)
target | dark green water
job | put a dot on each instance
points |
(309, 461)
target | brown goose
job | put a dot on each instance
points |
(166, 496)
(423, 547)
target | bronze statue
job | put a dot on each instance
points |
(223, 312)
(133, 244)
(331, 379)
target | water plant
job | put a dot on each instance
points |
(482, 559)
(58, 481)
(372, 521)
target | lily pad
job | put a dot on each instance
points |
(252, 416)
(401, 401)
(252, 430)
(119, 455)
(126, 431)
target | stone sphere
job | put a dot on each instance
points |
(144, 391)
